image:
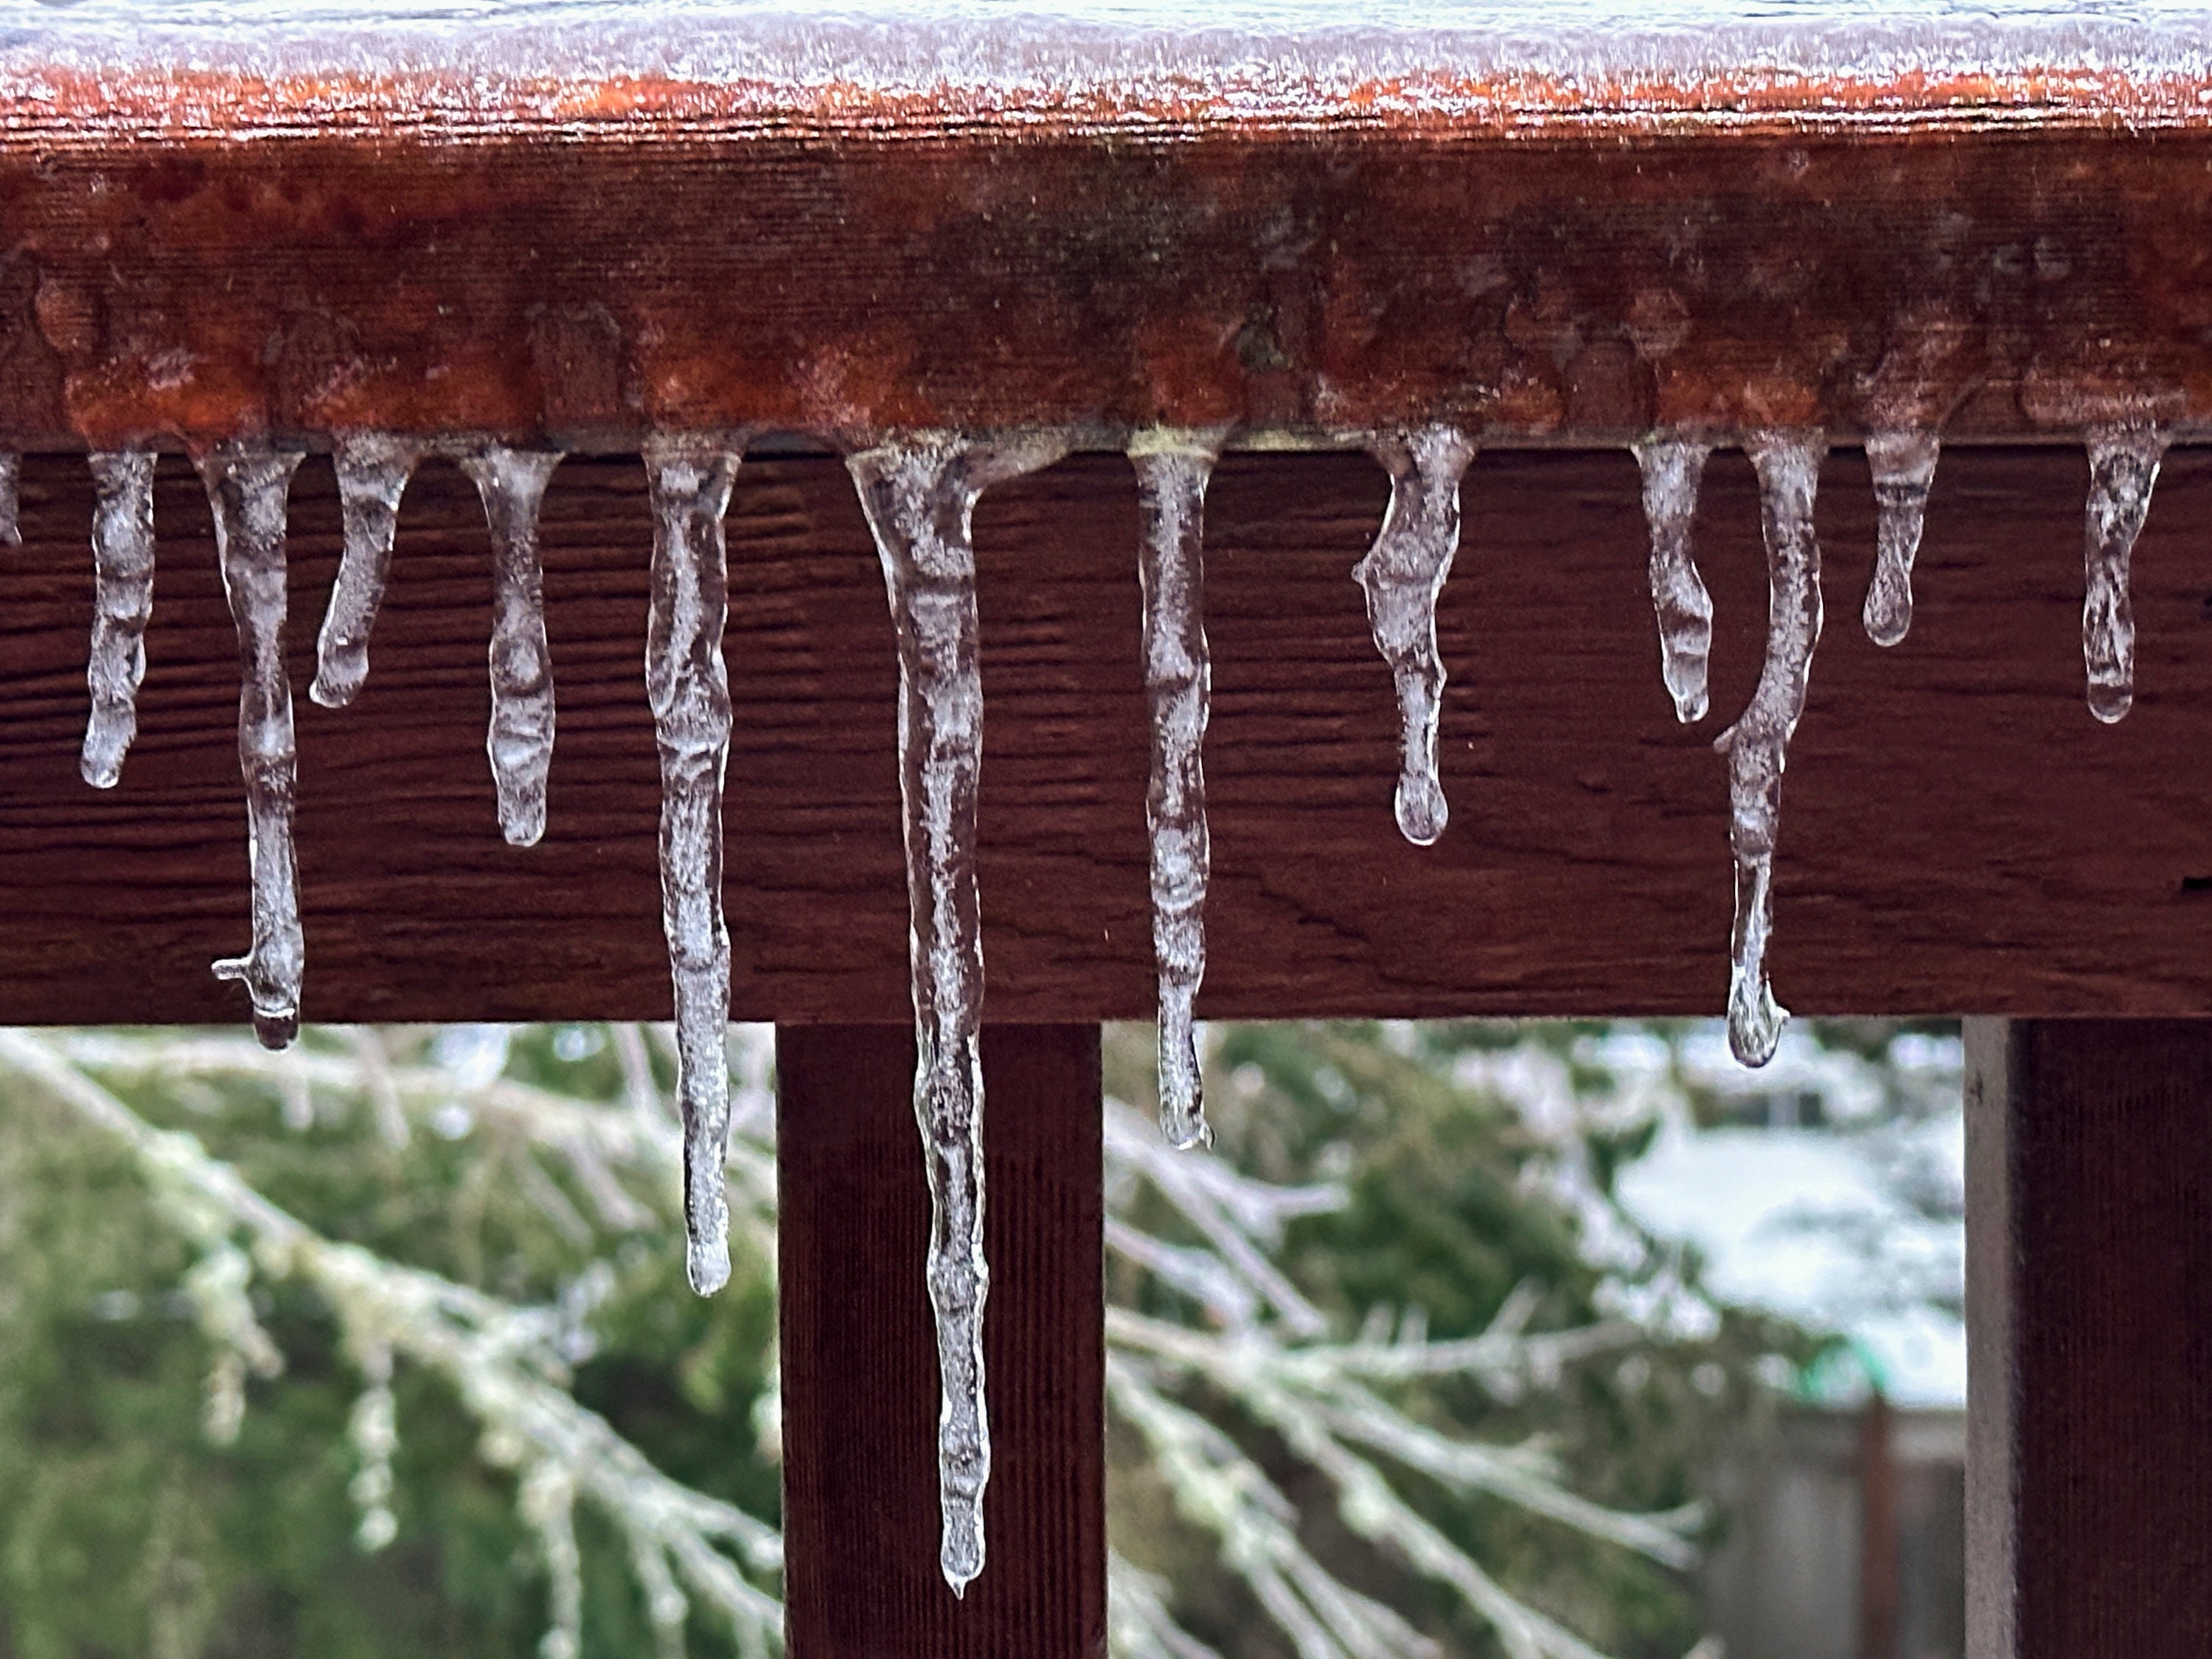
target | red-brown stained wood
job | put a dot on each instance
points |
(836, 279)
(2110, 1252)
(1957, 833)
(859, 1363)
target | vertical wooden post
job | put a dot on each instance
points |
(860, 1361)
(2089, 1292)
(1878, 1549)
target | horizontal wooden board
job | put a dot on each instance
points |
(1958, 833)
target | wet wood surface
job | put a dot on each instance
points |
(1957, 833)
(860, 1361)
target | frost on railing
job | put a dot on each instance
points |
(1256, 1341)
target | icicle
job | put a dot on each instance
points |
(1903, 466)
(372, 470)
(11, 472)
(689, 687)
(1757, 746)
(247, 489)
(920, 498)
(122, 602)
(511, 482)
(2122, 470)
(1172, 469)
(1673, 469)
(1403, 573)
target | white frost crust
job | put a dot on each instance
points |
(688, 684)
(919, 493)
(11, 472)
(1673, 467)
(1903, 468)
(372, 470)
(121, 605)
(1172, 471)
(1286, 59)
(1402, 576)
(2124, 463)
(247, 489)
(1757, 746)
(511, 482)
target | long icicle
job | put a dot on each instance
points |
(1172, 471)
(1903, 468)
(122, 604)
(689, 686)
(2123, 464)
(1757, 746)
(511, 482)
(1402, 576)
(247, 489)
(1673, 467)
(919, 497)
(372, 470)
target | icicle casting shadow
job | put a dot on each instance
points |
(918, 492)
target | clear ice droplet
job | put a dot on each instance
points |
(919, 495)
(1903, 468)
(2124, 463)
(1172, 471)
(121, 605)
(688, 684)
(1673, 467)
(1402, 576)
(372, 470)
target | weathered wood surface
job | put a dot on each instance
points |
(2095, 1529)
(859, 1363)
(1958, 833)
(865, 274)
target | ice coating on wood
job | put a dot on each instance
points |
(2122, 470)
(1172, 469)
(11, 473)
(372, 470)
(1757, 746)
(1903, 468)
(919, 497)
(247, 488)
(1402, 575)
(511, 482)
(122, 604)
(1673, 467)
(689, 686)
(434, 63)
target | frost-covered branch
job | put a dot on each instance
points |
(498, 1358)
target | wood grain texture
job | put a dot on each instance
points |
(840, 283)
(1958, 835)
(860, 1363)
(2110, 1160)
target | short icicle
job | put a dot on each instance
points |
(1757, 746)
(248, 487)
(689, 686)
(1403, 573)
(1904, 467)
(1673, 467)
(1172, 469)
(919, 495)
(122, 604)
(11, 474)
(2123, 464)
(511, 482)
(372, 470)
